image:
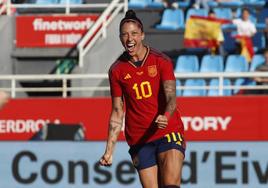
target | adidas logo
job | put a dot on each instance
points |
(139, 73)
(127, 77)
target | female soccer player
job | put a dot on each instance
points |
(143, 79)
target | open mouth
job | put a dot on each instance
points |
(130, 47)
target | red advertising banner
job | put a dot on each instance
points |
(242, 118)
(52, 31)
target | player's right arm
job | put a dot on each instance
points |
(115, 126)
(4, 98)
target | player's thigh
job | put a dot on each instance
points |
(148, 177)
(145, 161)
(170, 165)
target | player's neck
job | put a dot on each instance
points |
(140, 54)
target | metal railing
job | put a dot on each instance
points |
(100, 28)
(67, 6)
(14, 86)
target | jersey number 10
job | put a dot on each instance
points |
(143, 90)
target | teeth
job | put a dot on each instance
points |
(130, 45)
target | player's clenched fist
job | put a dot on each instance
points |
(161, 121)
(106, 160)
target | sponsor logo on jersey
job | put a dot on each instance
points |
(127, 77)
(152, 70)
(139, 73)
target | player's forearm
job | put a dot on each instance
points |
(115, 126)
(170, 93)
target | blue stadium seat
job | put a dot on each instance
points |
(184, 4)
(139, 3)
(215, 83)
(156, 4)
(194, 92)
(257, 60)
(223, 13)
(178, 91)
(243, 82)
(234, 3)
(213, 4)
(212, 63)
(254, 2)
(187, 63)
(172, 19)
(196, 12)
(236, 63)
(46, 2)
(71, 1)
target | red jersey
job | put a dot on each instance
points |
(142, 89)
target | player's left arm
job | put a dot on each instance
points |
(170, 94)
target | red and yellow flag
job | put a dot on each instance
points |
(246, 47)
(203, 32)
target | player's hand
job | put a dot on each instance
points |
(106, 160)
(4, 98)
(161, 121)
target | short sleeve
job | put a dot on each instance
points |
(115, 87)
(167, 71)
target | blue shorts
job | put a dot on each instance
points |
(145, 155)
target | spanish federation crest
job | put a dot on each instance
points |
(152, 70)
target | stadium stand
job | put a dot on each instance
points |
(46, 2)
(257, 60)
(183, 4)
(242, 82)
(223, 13)
(196, 12)
(212, 63)
(259, 41)
(262, 15)
(194, 83)
(254, 2)
(63, 66)
(139, 3)
(172, 19)
(213, 4)
(233, 3)
(215, 83)
(178, 91)
(236, 63)
(187, 63)
(71, 1)
(156, 4)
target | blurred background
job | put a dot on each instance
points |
(55, 98)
